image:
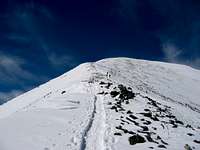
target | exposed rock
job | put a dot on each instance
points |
(197, 141)
(162, 146)
(119, 134)
(190, 134)
(129, 112)
(149, 138)
(136, 139)
(164, 142)
(133, 117)
(179, 122)
(63, 92)
(187, 147)
(101, 83)
(114, 93)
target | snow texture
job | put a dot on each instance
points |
(112, 104)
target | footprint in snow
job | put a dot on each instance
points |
(74, 140)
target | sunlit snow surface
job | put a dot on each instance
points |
(104, 106)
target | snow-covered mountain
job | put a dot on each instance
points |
(112, 104)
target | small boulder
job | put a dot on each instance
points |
(136, 139)
(114, 93)
(63, 92)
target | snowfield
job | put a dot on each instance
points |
(112, 104)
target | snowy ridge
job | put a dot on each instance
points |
(112, 104)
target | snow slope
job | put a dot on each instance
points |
(112, 104)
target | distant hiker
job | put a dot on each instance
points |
(108, 75)
(187, 147)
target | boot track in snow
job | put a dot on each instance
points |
(88, 127)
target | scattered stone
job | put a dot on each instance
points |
(101, 83)
(122, 123)
(119, 134)
(131, 132)
(147, 122)
(136, 123)
(188, 126)
(115, 108)
(190, 134)
(127, 102)
(125, 94)
(145, 128)
(149, 114)
(125, 121)
(172, 122)
(63, 92)
(129, 88)
(109, 103)
(165, 143)
(101, 92)
(196, 141)
(136, 139)
(133, 117)
(146, 110)
(114, 93)
(175, 126)
(155, 118)
(154, 128)
(187, 147)
(149, 138)
(125, 130)
(158, 137)
(162, 146)
(179, 122)
(170, 116)
(129, 112)
(151, 147)
(108, 85)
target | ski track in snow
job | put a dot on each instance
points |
(88, 127)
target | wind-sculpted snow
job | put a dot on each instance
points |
(111, 104)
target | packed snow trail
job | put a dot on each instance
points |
(94, 133)
(88, 127)
(95, 136)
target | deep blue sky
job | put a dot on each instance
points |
(41, 39)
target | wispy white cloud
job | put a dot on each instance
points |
(58, 60)
(25, 24)
(14, 74)
(5, 96)
(12, 70)
(18, 38)
(174, 54)
(171, 52)
(194, 63)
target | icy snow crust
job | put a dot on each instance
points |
(112, 104)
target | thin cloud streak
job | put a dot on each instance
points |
(174, 54)
(12, 70)
(6, 96)
(171, 52)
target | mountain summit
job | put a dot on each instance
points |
(111, 104)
